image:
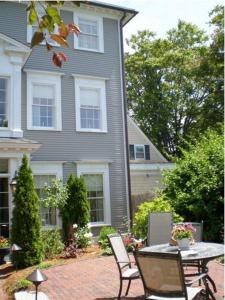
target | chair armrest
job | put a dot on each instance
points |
(190, 282)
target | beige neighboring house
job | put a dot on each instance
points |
(146, 165)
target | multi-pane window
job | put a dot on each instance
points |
(89, 36)
(139, 152)
(90, 111)
(3, 102)
(43, 106)
(96, 196)
(48, 215)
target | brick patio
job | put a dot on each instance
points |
(98, 279)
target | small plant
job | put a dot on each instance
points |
(21, 284)
(103, 239)
(52, 243)
(182, 231)
(4, 243)
(82, 236)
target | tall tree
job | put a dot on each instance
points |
(26, 224)
(167, 85)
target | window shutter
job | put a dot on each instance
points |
(147, 152)
(131, 148)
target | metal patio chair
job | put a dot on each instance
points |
(123, 261)
(159, 227)
(163, 277)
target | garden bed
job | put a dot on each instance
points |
(12, 280)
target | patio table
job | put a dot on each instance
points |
(203, 252)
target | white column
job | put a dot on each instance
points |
(15, 105)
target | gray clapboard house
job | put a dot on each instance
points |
(146, 165)
(68, 120)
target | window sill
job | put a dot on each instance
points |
(94, 225)
(92, 131)
(89, 50)
(43, 128)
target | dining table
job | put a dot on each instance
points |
(202, 252)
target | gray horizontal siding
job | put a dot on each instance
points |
(69, 145)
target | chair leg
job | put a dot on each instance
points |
(120, 290)
(128, 287)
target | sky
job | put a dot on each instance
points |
(161, 15)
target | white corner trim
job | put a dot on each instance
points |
(21, 47)
(83, 76)
(32, 71)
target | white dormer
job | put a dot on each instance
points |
(13, 55)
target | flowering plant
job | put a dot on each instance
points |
(182, 231)
(82, 236)
(4, 243)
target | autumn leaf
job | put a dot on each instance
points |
(73, 28)
(63, 31)
(59, 39)
(37, 38)
(58, 58)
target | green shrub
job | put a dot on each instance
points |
(103, 240)
(140, 227)
(77, 209)
(52, 243)
(195, 188)
(26, 225)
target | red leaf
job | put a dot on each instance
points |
(63, 31)
(62, 55)
(59, 39)
(57, 60)
(73, 28)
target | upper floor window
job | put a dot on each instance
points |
(139, 152)
(4, 102)
(44, 102)
(90, 105)
(91, 36)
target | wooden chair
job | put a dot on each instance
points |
(159, 227)
(123, 262)
(163, 277)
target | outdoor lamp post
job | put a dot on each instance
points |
(14, 249)
(37, 277)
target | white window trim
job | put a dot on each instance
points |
(39, 78)
(139, 145)
(103, 169)
(90, 83)
(45, 168)
(90, 17)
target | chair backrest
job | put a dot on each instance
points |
(198, 234)
(162, 273)
(159, 227)
(119, 250)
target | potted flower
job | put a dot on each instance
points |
(183, 235)
(4, 249)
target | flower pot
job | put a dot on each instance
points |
(183, 244)
(3, 253)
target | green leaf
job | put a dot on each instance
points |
(33, 17)
(37, 38)
(52, 11)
